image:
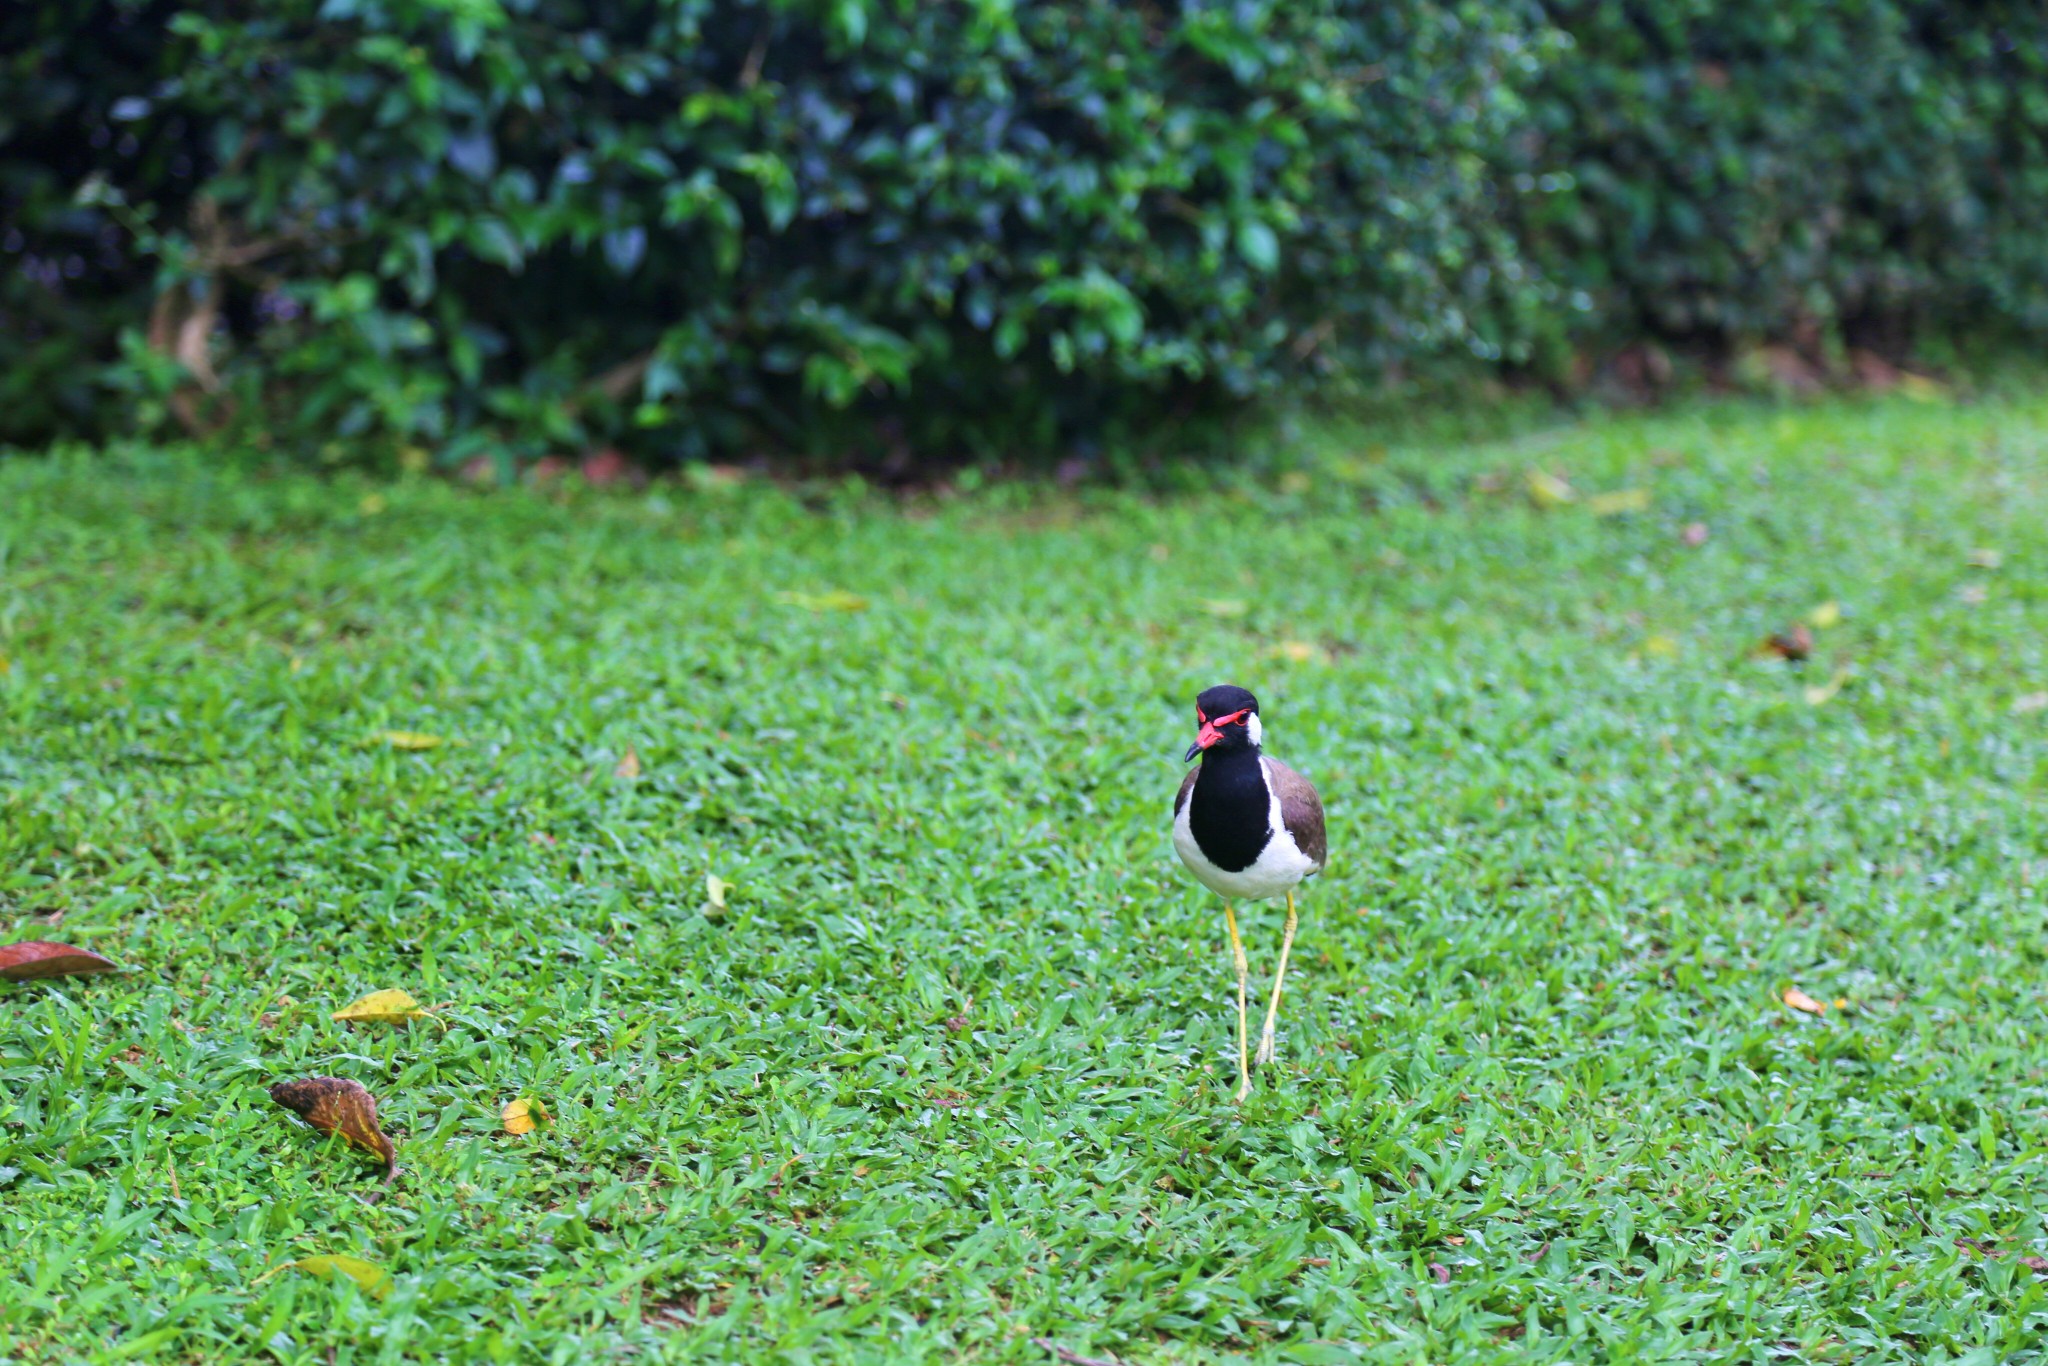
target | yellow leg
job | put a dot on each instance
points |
(1266, 1049)
(1244, 970)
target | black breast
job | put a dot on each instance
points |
(1230, 812)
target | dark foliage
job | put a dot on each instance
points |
(1854, 169)
(873, 232)
(712, 226)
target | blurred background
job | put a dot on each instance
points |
(495, 236)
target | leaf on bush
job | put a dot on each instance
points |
(33, 959)
(1259, 245)
(336, 1105)
(409, 739)
(1820, 694)
(831, 600)
(523, 1115)
(629, 765)
(382, 1007)
(1827, 614)
(374, 1280)
(1548, 491)
(1799, 1000)
(1620, 501)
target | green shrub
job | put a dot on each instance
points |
(1735, 169)
(824, 225)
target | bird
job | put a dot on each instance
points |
(1249, 828)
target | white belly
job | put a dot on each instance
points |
(1279, 866)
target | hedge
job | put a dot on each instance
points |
(870, 231)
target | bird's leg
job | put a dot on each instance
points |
(1266, 1049)
(1244, 970)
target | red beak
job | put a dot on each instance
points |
(1211, 732)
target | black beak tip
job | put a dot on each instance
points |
(1189, 757)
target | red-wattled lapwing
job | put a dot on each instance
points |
(1249, 827)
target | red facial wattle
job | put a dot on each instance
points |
(1212, 731)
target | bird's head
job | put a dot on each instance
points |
(1229, 719)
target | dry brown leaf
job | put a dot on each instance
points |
(336, 1105)
(374, 1280)
(1619, 501)
(409, 739)
(1799, 1000)
(389, 1006)
(629, 765)
(1795, 643)
(523, 1116)
(32, 959)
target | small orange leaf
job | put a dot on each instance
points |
(32, 959)
(523, 1116)
(1799, 1000)
(336, 1105)
(629, 765)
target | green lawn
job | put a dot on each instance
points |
(952, 1068)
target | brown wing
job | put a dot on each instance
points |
(1187, 785)
(1301, 810)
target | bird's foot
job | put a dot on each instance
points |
(1267, 1051)
(1244, 1088)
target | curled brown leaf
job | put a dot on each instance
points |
(31, 959)
(336, 1105)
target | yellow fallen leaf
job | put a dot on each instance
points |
(409, 739)
(1819, 694)
(1296, 482)
(1660, 647)
(1827, 614)
(1620, 501)
(1921, 389)
(715, 888)
(1226, 607)
(629, 765)
(831, 600)
(1549, 491)
(522, 1116)
(374, 1280)
(382, 1007)
(1799, 1000)
(1300, 651)
(372, 504)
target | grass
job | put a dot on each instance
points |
(951, 1069)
